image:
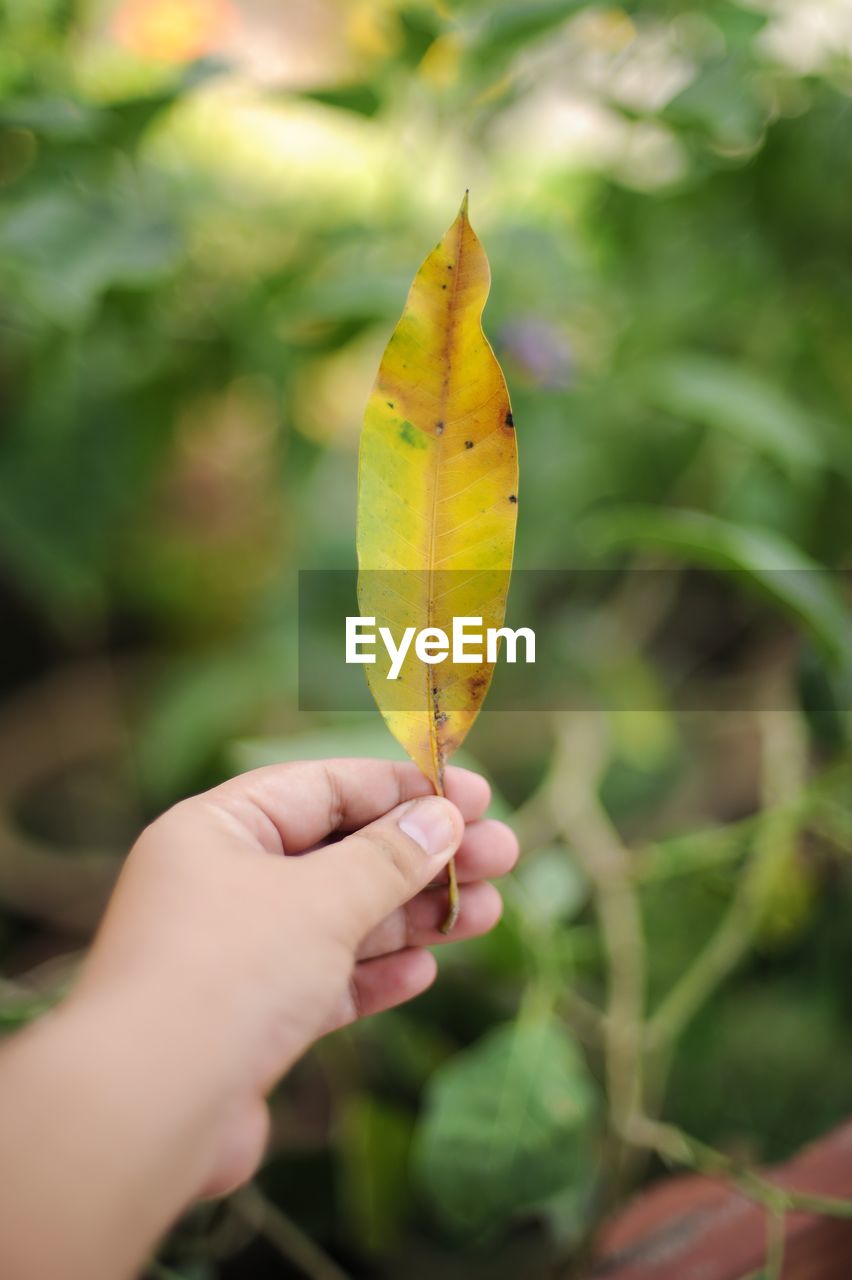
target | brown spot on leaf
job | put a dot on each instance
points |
(509, 420)
(441, 717)
(513, 497)
(468, 444)
(390, 404)
(477, 684)
(439, 428)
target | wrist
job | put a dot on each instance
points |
(95, 1127)
(147, 1045)
(135, 1098)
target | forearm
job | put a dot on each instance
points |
(106, 1134)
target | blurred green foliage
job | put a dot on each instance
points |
(207, 226)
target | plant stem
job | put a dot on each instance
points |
(784, 767)
(677, 1147)
(572, 789)
(775, 1224)
(726, 948)
(581, 757)
(288, 1238)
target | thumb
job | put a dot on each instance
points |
(376, 870)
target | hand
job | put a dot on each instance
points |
(220, 961)
(279, 949)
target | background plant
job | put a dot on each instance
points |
(208, 216)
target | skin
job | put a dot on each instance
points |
(222, 957)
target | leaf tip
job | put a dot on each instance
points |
(463, 209)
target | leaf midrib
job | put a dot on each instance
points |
(432, 699)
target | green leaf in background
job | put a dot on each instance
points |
(374, 1141)
(360, 98)
(49, 569)
(724, 396)
(783, 573)
(200, 703)
(64, 250)
(722, 104)
(52, 117)
(508, 1124)
(359, 739)
(552, 885)
(507, 26)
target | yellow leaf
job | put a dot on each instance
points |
(437, 499)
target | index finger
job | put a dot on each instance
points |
(307, 800)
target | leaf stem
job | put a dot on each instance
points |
(453, 904)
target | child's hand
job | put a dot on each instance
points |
(234, 939)
(263, 953)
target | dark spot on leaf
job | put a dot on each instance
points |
(510, 421)
(434, 691)
(390, 404)
(449, 266)
(439, 428)
(468, 444)
(513, 497)
(441, 717)
(443, 286)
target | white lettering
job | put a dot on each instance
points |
(396, 655)
(496, 634)
(460, 636)
(432, 645)
(354, 639)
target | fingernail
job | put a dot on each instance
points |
(429, 823)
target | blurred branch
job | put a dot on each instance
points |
(709, 847)
(159, 1271)
(67, 718)
(585, 1018)
(534, 823)
(676, 1147)
(775, 1225)
(573, 794)
(288, 1238)
(784, 765)
(726, 948)
(573, 791)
